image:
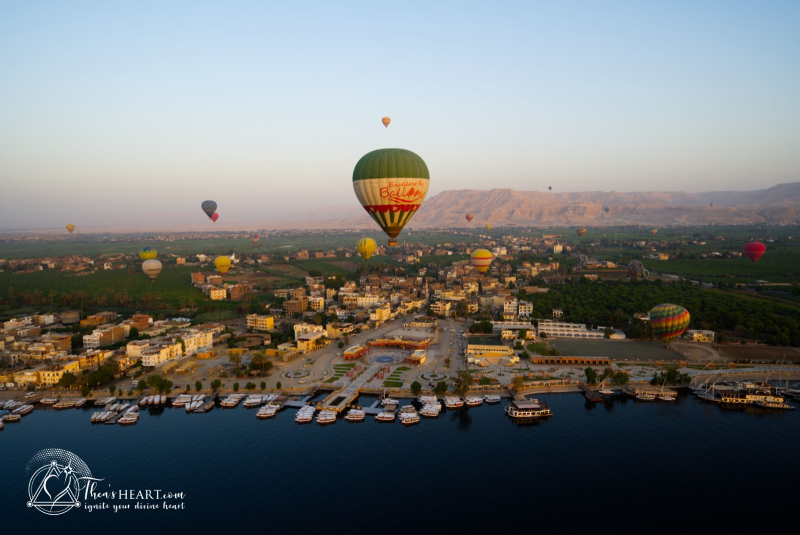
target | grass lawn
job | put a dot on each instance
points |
(393, 384)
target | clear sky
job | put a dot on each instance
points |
(132, 113)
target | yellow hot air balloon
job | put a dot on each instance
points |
(222, 263)
(147, 253)
(391, 184)
(488, 226)
(365, 247)
(481, 259)
(70, 228)
(151, 268)
(386, 121)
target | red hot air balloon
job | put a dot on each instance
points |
(754, 250)
(469, 217)
(214, 217)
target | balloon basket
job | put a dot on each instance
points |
(392, 243)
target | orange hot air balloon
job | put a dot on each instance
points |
(481, 259)
(386, 121)
(70, 228)
(581, 232)
(469, 217)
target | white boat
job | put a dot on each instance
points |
(355, 415)
(94, 416)
(48, 401)
(409, 418)
(427, 399)
(12, 418)
(473, 401)
(666, 397)
(430, 411)
(80, 403)
(151, 400)
(1, 424)
(492, 399)
(644, 396)
(253, 401)
(128, 419)
(305, 414)
(267, 411)
(389, 401)
(532, 408)
(405, 409)
(326, 417)
(143, 402)
(24, 410)
(61, 405)
(385, 416)
(452, 402)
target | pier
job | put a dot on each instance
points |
(591, 395)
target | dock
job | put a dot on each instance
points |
(591, 395)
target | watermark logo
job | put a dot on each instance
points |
(57, 480)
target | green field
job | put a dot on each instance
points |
(615, 349)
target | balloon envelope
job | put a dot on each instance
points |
(550, 188)
(147, 253)
(669, 321)
(222, 263)
(365, 247)
(386, 121)
(712, 204)
(581, 232)
(209, 207)
(754, 250)
(488, 226)
(214, 217)
(607, 209)
(151, 268)
(254, 238)
(653, 231)
(70, 228)
(391, 184)
(636, 270)
(469, 217)
(481, 259)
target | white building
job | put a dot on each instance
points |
(156, 355)
(303, 328)
(525, 309)
(555, 329)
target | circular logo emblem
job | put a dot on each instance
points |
(55, 485)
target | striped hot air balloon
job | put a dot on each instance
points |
(469, 218)
(386, 121)
(581, 232)
(254, 238)
(365, 247)
(636, 270)
(669, 321)
(481, 259)
(391, 184)
(147, 253)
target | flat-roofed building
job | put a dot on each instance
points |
(260, 323)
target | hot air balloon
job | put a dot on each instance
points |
(209, 207)
(581, 232)
(70, 228)
(607, 209)
(669, 321)
(391, 184)
(151, 268)
(386, 121)
(214, 217)
(254, 238)
(636, 270)
(712, 204)
(147, 253)
(653, 231)
(222, 263)
(550, 188)
(754, 250)
(481, 259)
(469, 217)
(365, 247)
(488, 226)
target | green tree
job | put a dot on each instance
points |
(263, 385)
(67, 379)
(517, 382)
(216, 384)
(112, 389)
(235, 387)
(142, 385)
(85, 391)
(340, 344)
(441, 387)
(198, 386)
(523, 334)
(591, 375)
(235, 358)
(463, 382)
(278, 386)
(621, 378)
(416, 388)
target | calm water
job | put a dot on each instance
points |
(612, 467)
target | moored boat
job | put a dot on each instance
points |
(409, 418)
(453, 402)
(492, 399)
(48, 401)
(532, 408)
(326, 417)
(305, 414)
(80, 403)
(473, 401)
(267, 411)
(385, 416)
(12, 418)
(355, 415)
(644, 396)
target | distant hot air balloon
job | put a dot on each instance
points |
(214, 217)
(636, 270)
(754, 250)
(70, 228)
(550, 188)
(653, 231)
(488, 226)
(365, 247)
(209, 207)
(581, 232)
(391, 184)
(386, 121)
(669, 321)
(712, 204)
(469, 217)
(222, 263)
(147, 253)
(607, 209)
(604, 235)
(151, 268)
(254, 238)
(481, 259)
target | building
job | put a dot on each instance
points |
(417, 357)
(510, 307)
(441, 308)
(308, 341)
(558, 313)
(696, 335)
(104, 336)
(69, 317)
(317, 304)
(217, 294)
(339, 330)
(302, 328)
(381, 314)
(525, 309)
(260, 323)
(157, 355)
(60, 341)
(355, 352)
(295, 306)
(553, 329)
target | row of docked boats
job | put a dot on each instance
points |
(745, 393)
(305, 414)
(232, 401)
(112, 413)
(102, 402)
(153, 401)
(647, 394)
(199, 404)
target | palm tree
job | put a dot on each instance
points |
(235, 358)
(259, 359)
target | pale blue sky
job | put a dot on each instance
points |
(132, 113)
